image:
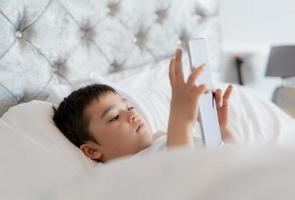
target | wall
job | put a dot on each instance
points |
(258, 21)
(250, 27)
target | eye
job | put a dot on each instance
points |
(114, 118)
(130, 108)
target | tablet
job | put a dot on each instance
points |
(208, 116)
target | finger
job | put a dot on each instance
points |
(172, 72)
(178, 66)
(194, 75)
(197, 91)
(218, 98)
(227, 94)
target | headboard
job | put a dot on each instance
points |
(46, 42)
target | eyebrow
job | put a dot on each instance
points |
(111, 108)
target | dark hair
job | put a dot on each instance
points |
(68, 117)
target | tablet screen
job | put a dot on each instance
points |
(207, 107)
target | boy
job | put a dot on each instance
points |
(104, 126)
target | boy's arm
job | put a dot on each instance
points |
(184, 102)
(178, 131)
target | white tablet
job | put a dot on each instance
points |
(208, 116)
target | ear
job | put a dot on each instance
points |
(91, 150)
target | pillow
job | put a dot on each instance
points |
(33, 120)
(26, 167)
(153, 75)
(34, 153)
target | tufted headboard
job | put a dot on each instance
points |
(46, 42)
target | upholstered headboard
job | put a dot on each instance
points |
(45, 42)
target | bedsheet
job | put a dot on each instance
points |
(253, 172)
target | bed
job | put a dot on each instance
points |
(51, 47)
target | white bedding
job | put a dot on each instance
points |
(246, 173)
(38, 162)
(34, 156)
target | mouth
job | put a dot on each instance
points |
(139, 127)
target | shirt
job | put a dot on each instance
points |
(159, 144)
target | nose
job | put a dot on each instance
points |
(132, 117)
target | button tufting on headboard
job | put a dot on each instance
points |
(46, 42)
(18, 34)
(161, 15)
(116, 65)
(139, 38)
(113, 8)
(183, 38)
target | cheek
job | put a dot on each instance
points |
(146, 125)
(115, 132)
(121, 129)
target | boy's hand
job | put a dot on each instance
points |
(222, 102)
(185, 95)
(223, 105)
(184, 101)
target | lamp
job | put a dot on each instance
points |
(281, 62)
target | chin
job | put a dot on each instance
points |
(148, 138)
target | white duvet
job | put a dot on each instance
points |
(37, 162)
(244, 173)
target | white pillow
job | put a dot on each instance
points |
(34, 153)
(34, 120)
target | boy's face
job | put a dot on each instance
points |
(117, 128)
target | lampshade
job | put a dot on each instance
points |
(281, 61)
